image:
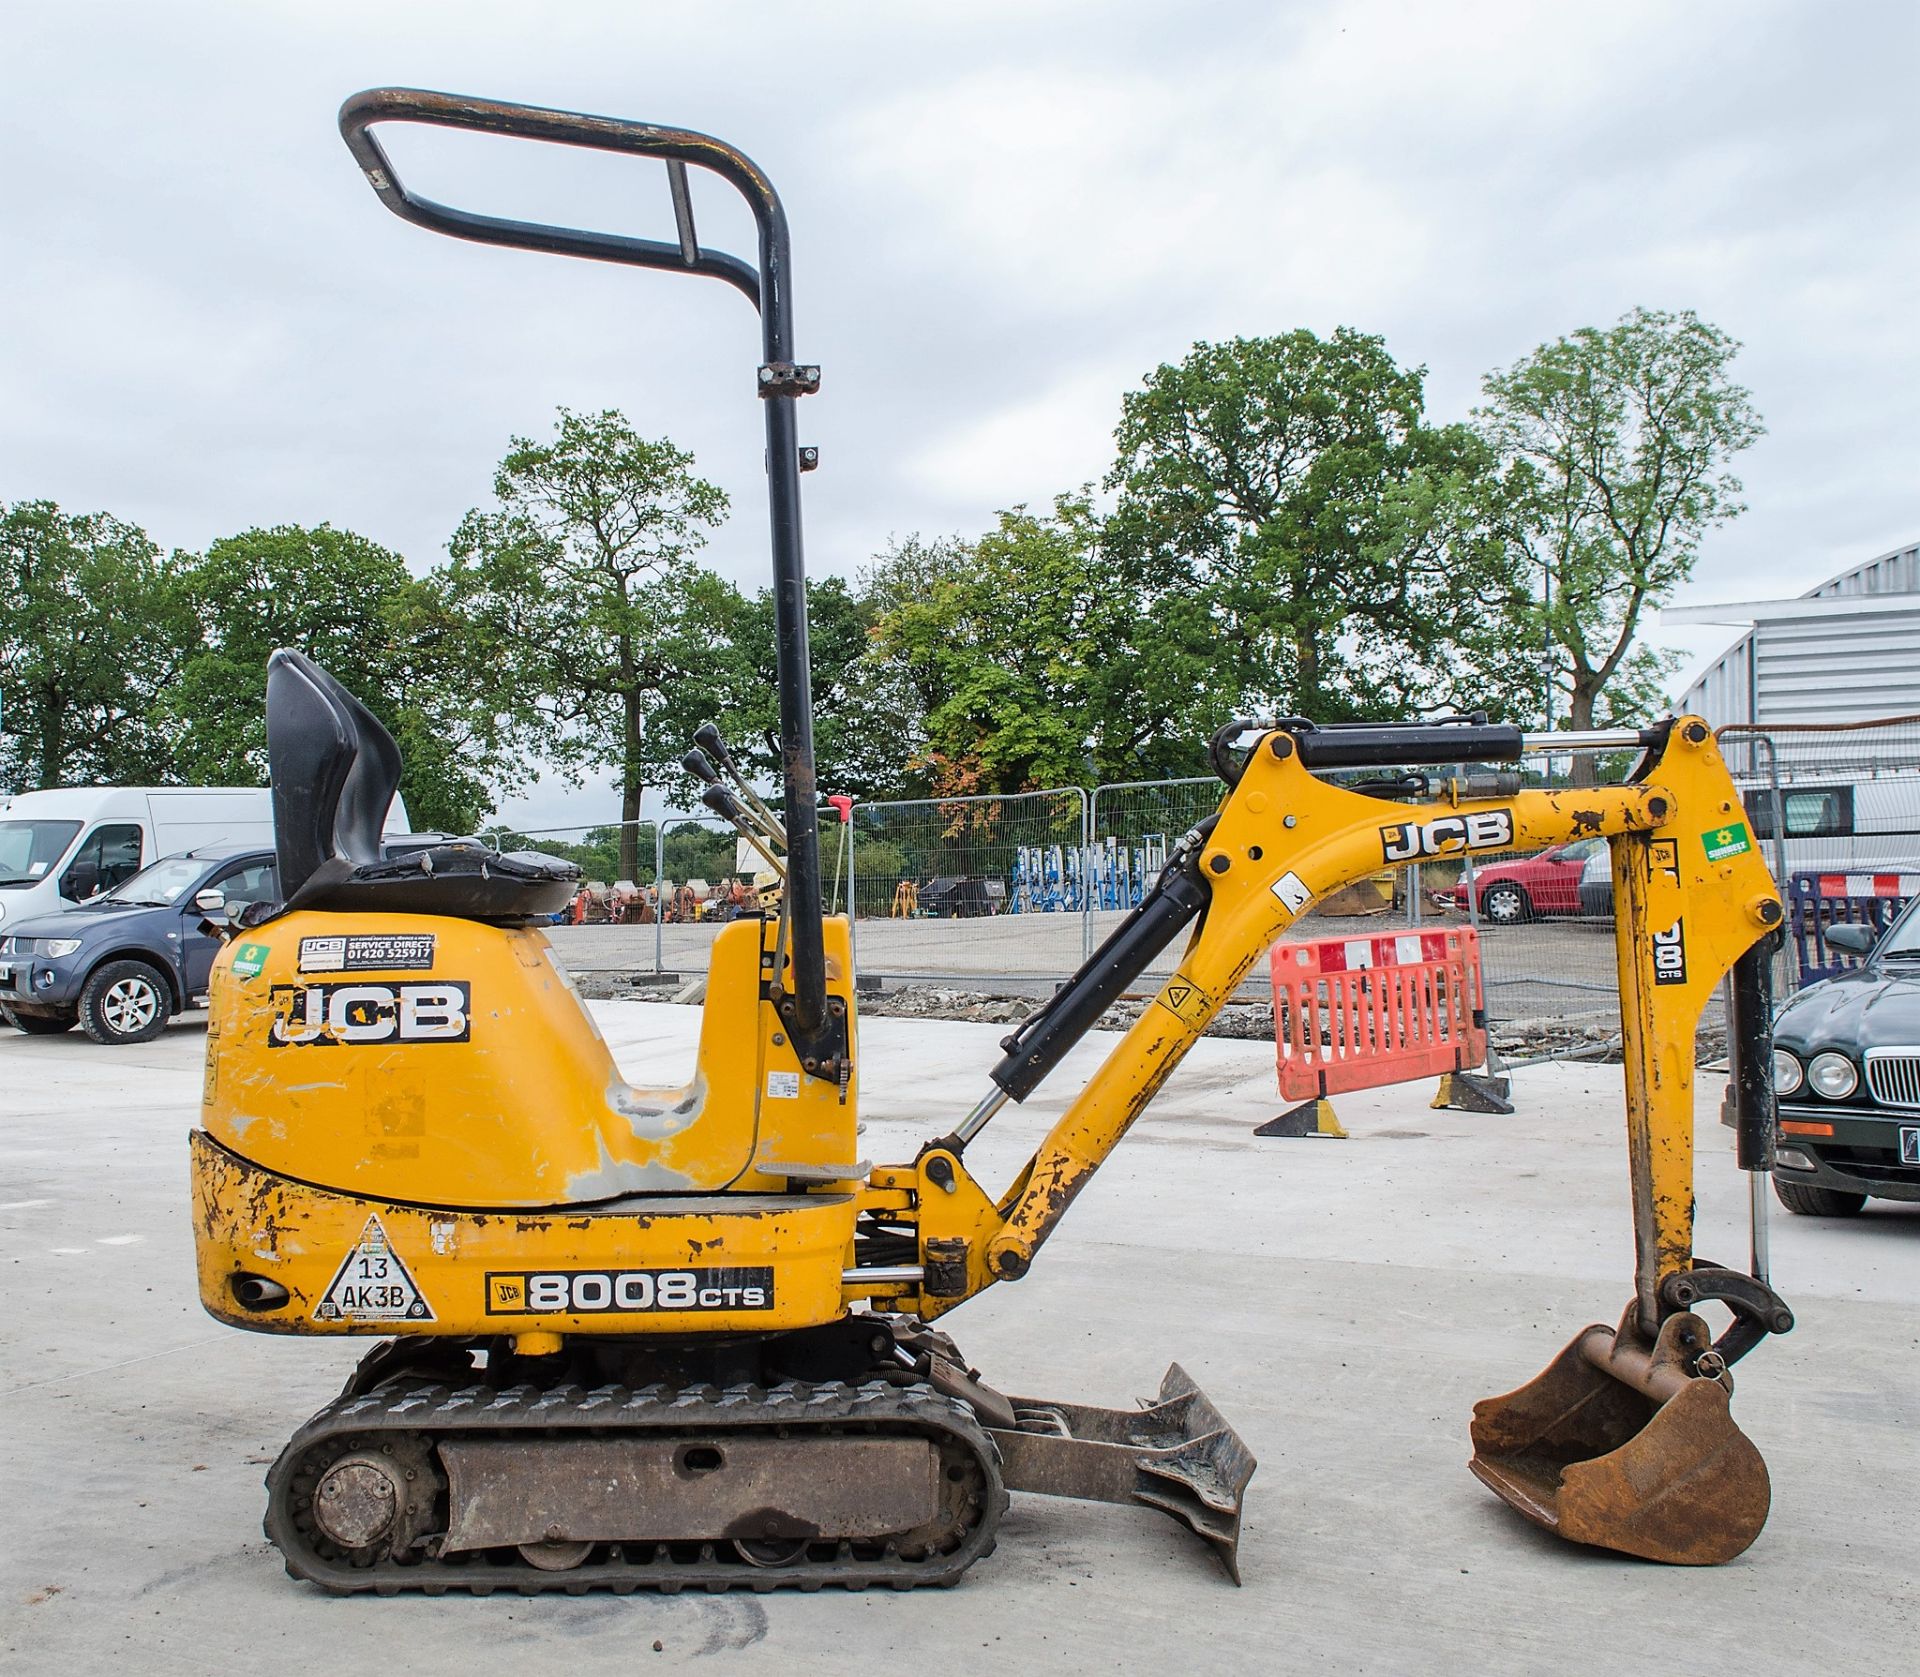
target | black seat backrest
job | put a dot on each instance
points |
(333, 767)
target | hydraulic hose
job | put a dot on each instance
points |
(1752, 1055)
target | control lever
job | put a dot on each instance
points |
(707, 738)
(698, 764)
(724, 804)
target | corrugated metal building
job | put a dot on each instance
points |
(1847, 651)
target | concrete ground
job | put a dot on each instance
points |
(1344, 1303)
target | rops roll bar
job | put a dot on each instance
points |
(780, 383)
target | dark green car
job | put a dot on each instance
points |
(1846, 1067)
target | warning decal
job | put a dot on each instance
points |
(1292, 890)
(1185, 1000)
(373, 1285)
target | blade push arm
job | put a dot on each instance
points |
(1687, 878)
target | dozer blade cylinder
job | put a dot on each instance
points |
(1618, 1445)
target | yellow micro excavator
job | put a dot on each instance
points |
(636, 1336)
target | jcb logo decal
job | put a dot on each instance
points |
(1670, 954)
(328, 1015)
(1485, 829)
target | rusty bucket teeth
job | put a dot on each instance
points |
(1175, 1454)
(1618, 1444)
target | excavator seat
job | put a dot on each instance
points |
(334, 770)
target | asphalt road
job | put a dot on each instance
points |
(1344, 1303)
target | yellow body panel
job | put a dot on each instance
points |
(412, 1124)
(444, 1062)
(739, 1262)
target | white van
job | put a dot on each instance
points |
(59, 847)
(1846, 824)
(1844, 821)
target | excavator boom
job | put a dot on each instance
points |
(1627, 1421)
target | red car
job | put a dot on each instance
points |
(1547, 884)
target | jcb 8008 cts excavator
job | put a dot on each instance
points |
(680, 1337)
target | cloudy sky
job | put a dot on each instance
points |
(1004, 215)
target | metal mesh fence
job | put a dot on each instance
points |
(622, 854)
(652, 892)
(1133, 824)
(1545, 919)
(1011, 892)
(975, 887)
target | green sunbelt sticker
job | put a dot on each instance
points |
(1730, 840)
(249, 959)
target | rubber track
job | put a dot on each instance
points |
(435, 1412)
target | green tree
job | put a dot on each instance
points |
(585, 615)
(1019, 651)
(1614, 447)
(862, 738)
(1303, 539)
(352, 607)
(694, 851)
(92, 629)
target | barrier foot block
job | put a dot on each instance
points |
(1467, 1091)
(1308, 1118)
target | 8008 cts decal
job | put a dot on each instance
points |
(1670, 954)
(593, 1292)
(1483, 829)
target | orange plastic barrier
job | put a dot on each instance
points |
(1357, 1013)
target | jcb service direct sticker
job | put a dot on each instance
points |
(384, 952)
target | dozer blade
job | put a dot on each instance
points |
(1176, 1454)
(1622, 1446)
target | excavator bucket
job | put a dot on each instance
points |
(1176, 1454)
(1623, 1446)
